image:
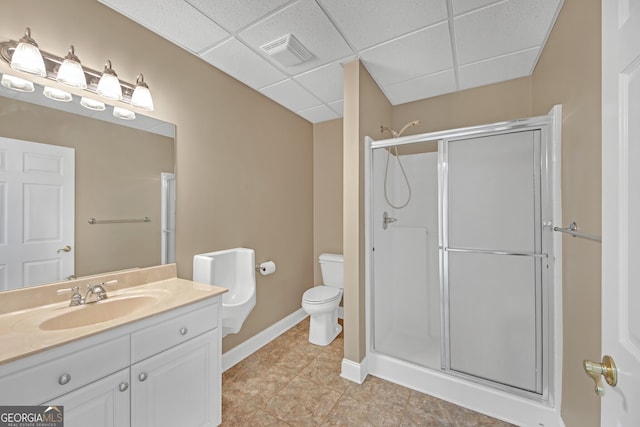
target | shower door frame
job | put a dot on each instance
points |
(501, 402)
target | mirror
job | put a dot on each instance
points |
(124, 172)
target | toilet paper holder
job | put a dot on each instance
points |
(266, 267)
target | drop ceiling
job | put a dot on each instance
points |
(414, 49)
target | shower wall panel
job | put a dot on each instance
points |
(405, 280)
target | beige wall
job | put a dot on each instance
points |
(117, 176)
(568, 72)
(365, 110)
(327, 191)
(486, 104)
(244, 163)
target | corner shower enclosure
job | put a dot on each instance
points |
(462, 286)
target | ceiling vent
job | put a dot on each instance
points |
(287, 50)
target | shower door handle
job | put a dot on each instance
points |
(488, 252)
(606, 369)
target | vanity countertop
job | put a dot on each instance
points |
(22, 333)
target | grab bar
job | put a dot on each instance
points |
(573, 231)
(117, 221)
(487, 252)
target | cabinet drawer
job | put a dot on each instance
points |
(174, 331)
(45, 381)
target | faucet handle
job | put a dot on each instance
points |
(75, 289)
(109, 283)
(76, 298)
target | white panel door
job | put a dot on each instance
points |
(37, 185)
(621, 208)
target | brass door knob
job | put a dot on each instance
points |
(606, 369)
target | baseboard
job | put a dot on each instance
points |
(352, 371)
(255, 343)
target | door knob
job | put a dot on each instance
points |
(67, 248)
(606, 369)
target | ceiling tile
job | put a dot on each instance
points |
(462, 6)
(239, 61)
(423, 52)
(318, 114)
(504, 28)
(312, 28)
(324, 82)
(368, 22)
(291, 95)
(338, 107)
(236, 14)
(422, 87)
(177, 21)
(498, 69)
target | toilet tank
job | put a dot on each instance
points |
(332, 269)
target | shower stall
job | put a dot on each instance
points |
(463, 288)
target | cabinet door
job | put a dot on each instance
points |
(104, 403)
(178, 387)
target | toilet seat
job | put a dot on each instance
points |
(321, 295)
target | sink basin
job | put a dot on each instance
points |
(98, 312)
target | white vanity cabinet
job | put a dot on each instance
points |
(164, 370)
(176, 375)
(104, 403)
(173, 388)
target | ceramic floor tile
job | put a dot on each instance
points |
(303, 402)
(291, 382)
(325, 370)
(350, 412)
(381, 394)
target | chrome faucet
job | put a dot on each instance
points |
(94, 293)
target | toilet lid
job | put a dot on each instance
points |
(320, 294)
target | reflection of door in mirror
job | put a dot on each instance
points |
(36, 213)
(168, 218)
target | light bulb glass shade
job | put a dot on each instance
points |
(71, 72)
(109, 85)
(26, 57)
(123, 113)
(57, 94)
(92, 104)
(141, 97)
(16, 83)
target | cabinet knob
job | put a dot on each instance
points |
(64, 379)
(183, 331)
(123, 386)
(142, 376)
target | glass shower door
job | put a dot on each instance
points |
(491, 257)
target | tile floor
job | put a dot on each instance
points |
(291, 382)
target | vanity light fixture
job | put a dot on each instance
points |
(71, 72)
(57, 94)
(109, 85)
(16, 83)
(27, 56)
(123, 113)
(141, 97)
(92, 104)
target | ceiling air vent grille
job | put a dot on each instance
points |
(287, 50)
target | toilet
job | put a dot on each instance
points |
(321, 302)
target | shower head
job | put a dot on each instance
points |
(395, 134)
(408, 125)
